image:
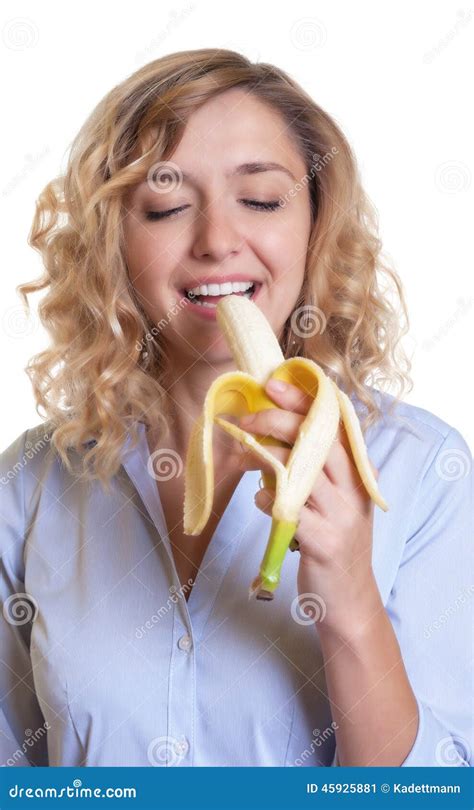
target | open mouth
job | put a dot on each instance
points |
(211, 301)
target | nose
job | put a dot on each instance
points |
(216, 236)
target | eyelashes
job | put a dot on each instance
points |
(258, 205)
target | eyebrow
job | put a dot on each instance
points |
(244, 169)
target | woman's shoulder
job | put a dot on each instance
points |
(20, 465)
(31, 461)
(411, 445)
(31, 443)
(412, 424)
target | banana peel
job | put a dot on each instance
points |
(256, 350)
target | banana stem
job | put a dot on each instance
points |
(282, 532)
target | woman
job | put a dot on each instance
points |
(129, 643)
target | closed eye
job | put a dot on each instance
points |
(259, 205)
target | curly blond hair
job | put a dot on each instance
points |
(93, 381)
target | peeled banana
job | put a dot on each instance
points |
(258, 355)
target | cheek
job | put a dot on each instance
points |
(145, 261)
(283, 245)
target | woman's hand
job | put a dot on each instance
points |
(335, 526)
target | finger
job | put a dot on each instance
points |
(290, 397)
(250, 461)
(323, 497)
(275, 423)
(340, 465)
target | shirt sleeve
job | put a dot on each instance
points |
(23, 731)
(430, 607)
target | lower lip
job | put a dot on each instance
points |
(206, 312)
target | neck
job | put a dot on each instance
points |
(185, 391)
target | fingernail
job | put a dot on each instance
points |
(247, 420)
(276, 385)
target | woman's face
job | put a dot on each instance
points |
(219, 231)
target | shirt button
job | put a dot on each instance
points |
(181, 747)
(185, 643)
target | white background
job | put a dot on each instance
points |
(394, 77)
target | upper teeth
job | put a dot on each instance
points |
(221, 289)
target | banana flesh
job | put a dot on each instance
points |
(257, 353)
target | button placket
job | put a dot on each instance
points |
(181, 747)
(185, 643)
(181, 695)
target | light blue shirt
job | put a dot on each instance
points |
(106, 664)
